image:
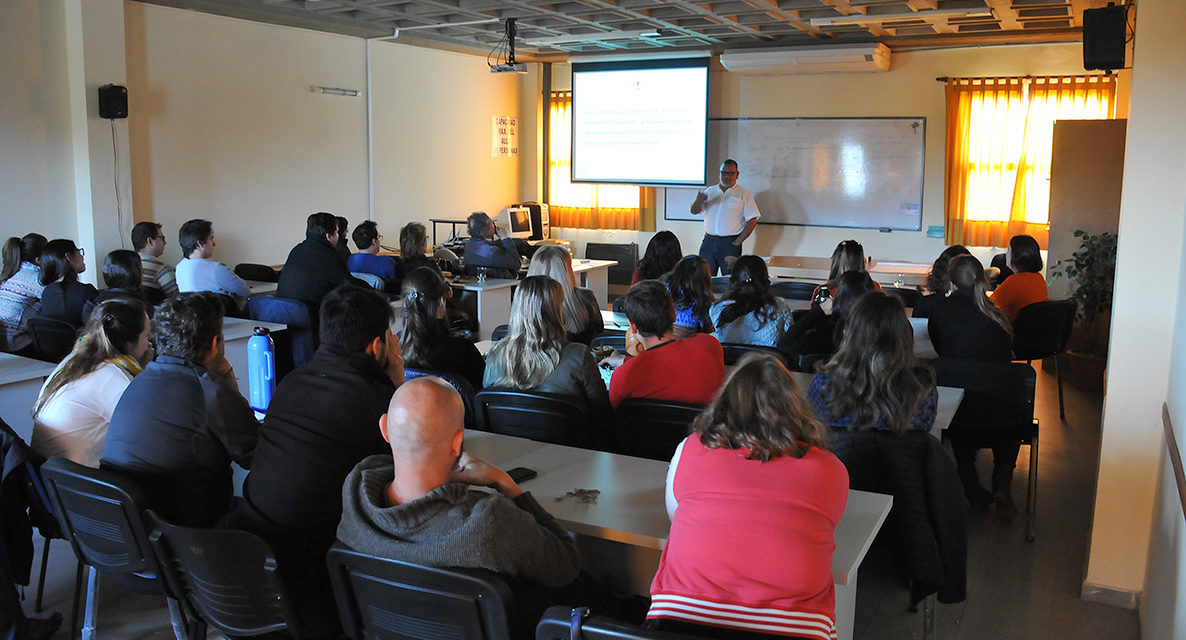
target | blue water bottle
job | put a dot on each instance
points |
(261, 367)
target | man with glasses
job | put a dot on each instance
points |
(157, 278)
(730, 216)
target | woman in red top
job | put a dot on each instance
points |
(754, 500)
(1026, 286)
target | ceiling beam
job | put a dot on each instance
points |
(1005, 14)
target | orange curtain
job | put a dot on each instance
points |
(999, 133)
(586, 206)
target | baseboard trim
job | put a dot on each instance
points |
(1110, 596)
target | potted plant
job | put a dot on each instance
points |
(1091, 269)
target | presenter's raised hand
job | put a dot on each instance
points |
(698, 203)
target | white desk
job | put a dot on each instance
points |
(627, 527)
(260, 288)
(236, 331)
(20, 383)
(594, 275)
(812, 269)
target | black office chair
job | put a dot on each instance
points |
(556, 624)
(381, 599)
(735, 350)
(720, 284)
(792, 290)
(619, 276)
(500, 332)
(907, 296)
(259, 272)
(615, 340)
(463, 387)
(998, 403)
(653, 428)
(538, 416)
(53, 340)
(1041, 331)
(100, 515)
(228, 579)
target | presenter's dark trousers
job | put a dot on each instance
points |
(715, 249)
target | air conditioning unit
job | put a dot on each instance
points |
(829, 58)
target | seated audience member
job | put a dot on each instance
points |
(663, 251)
(968, 325)
(413, 247)
(534, 355)
(342, 248)
(821, 329)
(486, 249)
(182, 421)
(938, 282)
(415, 503)
(64, 297)
(425, 339)
(76, 402)
(197, 272)
(691, 291)
(848, 256)
(122, 275)
(366, 237)
(874, 381)
(749, 312)
(1026, 286)
(20, 291)
(157, 278)
(689, 370)
(314, 267)
(582, 315)
(754, 475)
(320, 423)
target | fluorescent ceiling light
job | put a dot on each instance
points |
(877, 18)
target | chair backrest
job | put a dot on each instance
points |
(556, 625)
(293, 313)
(380, 599)
(997, 395)
(538, 416)
(653, 428)
(227, 577)
(615, 340)
(793, 290)
(259, 272)
(1042, 329)
(907, 296)
(720, 284)
(463, 387)
(626, 254)
(100, 514)
(500, 332)
(734, 351)
(52, 339)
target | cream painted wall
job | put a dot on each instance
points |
(432, 131)
(1143, 344)
(908, 89)
(224, 127)
(36, 167)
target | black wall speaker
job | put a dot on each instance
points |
(1103, 38)
(113, 101)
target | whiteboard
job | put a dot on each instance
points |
(864, 173)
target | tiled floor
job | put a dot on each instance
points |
(1016, 589)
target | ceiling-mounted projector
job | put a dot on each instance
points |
(518, 67)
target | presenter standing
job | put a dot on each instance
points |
(730, 215)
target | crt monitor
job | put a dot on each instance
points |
(517, 221)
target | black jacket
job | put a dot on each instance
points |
(927, 519)
(313, 269)
(16, 530)
(959, 330)
(65, 300)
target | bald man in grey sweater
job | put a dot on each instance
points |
(417, 505)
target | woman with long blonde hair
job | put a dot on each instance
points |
(535, 356)
(74, 408)
(581, 315)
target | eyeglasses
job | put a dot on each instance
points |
(82, 252)
(728, 173)
(158, 237)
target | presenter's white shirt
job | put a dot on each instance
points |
(73, 423)
(726, 212)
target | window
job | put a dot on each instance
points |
(588, 206)
(999, 133)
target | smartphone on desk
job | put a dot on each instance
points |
(521, 474)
